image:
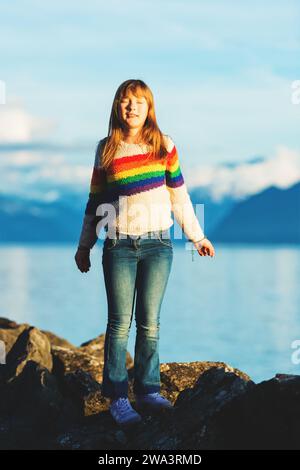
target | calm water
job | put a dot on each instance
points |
(241, 307)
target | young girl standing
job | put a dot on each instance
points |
(138, 182)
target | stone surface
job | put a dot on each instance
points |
(30, 345)
(50, 398)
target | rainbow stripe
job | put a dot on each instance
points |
(174, 177)
(129, 175)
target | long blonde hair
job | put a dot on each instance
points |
(150, 133)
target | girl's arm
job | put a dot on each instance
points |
(88, 236)
(182, 206)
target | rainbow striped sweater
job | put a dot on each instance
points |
(142, 193)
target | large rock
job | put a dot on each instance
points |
(89, 357)
(57, 340)
(267, 417)
(32, 408)
(10, 331)
(196, 405)
(179, 376)
(31, 345)
(50, 398)
(85, 392)
(94, 347)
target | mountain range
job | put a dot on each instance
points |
(270, 216)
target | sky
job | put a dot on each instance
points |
(221, 73)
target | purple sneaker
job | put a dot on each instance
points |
(152, 400)
(122, 412)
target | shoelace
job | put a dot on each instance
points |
(122, 402)
(156, 395)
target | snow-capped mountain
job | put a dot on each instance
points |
(44, 192)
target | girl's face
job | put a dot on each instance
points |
(133, 111)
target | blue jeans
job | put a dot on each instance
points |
(134, 267)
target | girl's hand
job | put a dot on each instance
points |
(205, 247)
(82, 258)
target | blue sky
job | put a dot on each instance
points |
(221, 72)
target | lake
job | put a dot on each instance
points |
(241, 307)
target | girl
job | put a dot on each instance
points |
(137, 181)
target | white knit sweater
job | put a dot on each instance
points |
(141, 192)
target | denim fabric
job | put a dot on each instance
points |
(138, 269)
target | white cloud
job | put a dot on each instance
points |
(18, 125)
(244, 179)
(45, 175)
(33, 173)
(20, 159)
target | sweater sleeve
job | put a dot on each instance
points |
(97, 191)
(182, 206)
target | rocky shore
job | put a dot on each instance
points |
(50, 398)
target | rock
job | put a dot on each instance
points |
(194, 407)
(31, 345)
(88, 357)
(57, 340)
(94, 347)
(85, 392)
(41, 397)
(71, 360)
(32, 407)
(7, 324)
(267, 417)
(50, 398)
(179, 376)
(10, 331)
(95, 435)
